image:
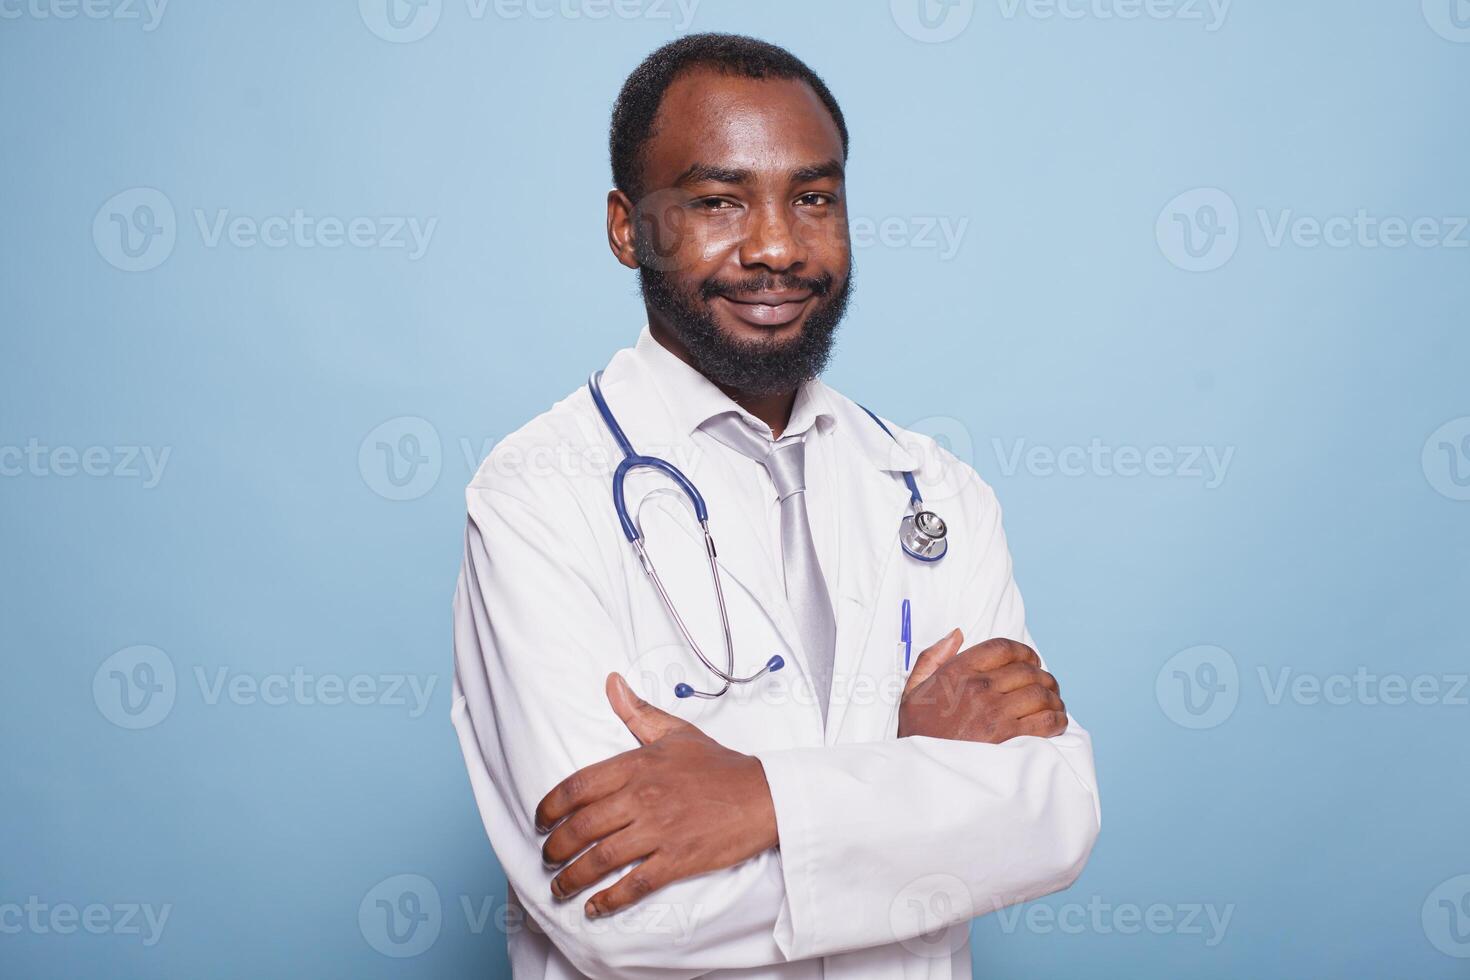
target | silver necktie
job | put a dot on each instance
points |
(806, 589)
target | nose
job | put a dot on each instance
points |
(773, 240)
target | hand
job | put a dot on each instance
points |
(991, 692)
(682, 805)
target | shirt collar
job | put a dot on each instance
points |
(692, 399)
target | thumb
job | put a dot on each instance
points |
(933, 658)
(647, 723)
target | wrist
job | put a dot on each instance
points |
(764, 825)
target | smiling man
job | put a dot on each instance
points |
(695, 759)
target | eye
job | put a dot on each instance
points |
(713, 204)
(815, 199)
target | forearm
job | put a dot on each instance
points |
(722, 920)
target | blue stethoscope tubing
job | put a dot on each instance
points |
(632, 461)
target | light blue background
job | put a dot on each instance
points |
(268, 544)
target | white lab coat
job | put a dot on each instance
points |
(888, 847)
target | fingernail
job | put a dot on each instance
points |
(592, 910)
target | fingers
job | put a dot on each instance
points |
(997, 653)
(647, 723)
(622, 848)
(1032, 698)
(649, 876)
(584, 828)
(1014, 676)
(583, 787)
(933, 658)
(1043, 724)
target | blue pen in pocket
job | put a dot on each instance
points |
(905, 633)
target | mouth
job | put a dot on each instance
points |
(767, 309)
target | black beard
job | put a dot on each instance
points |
(749, 368)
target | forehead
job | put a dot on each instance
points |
(771, 124)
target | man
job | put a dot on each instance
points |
(846, 813)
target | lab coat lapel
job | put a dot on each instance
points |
(874, 499)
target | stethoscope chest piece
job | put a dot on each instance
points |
(923, 535)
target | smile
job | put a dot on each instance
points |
(772, 311)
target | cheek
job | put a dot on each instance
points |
(675, 240)
(826, 238)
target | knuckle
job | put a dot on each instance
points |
(600, 858)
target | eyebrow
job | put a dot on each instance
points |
(699, 173)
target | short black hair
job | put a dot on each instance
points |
(728, 54)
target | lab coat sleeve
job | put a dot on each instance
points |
(887, 841)
(534, 640)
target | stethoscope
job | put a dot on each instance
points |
(922, 535)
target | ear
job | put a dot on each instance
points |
(647, 723)
(620, 229)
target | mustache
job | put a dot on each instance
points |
(818, 285)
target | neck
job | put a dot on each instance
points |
(772, 409)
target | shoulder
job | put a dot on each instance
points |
(559, 452)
